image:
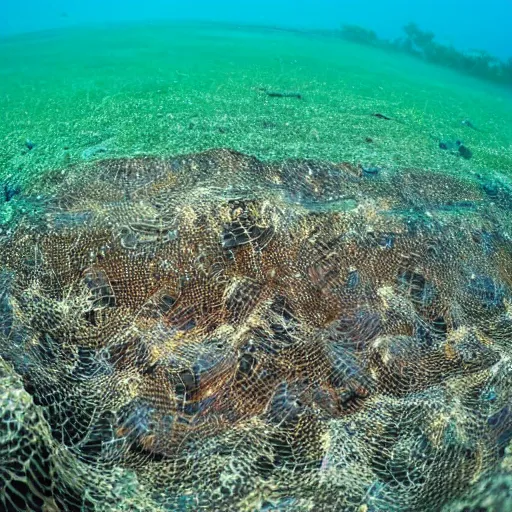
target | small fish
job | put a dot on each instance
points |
(469, 124)
(371, 171)
(456, 147)
(381, 116)
(277, 94)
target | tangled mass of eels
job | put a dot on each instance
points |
(213, 332)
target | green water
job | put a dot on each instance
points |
(169, 89)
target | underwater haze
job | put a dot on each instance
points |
(476, 24)
(255, 257)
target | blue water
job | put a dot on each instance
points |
(470, 24)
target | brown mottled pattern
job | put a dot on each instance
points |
(212, 332)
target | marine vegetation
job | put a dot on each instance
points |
(422, 44)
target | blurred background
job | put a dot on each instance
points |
(470, 24)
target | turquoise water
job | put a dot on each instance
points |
(475, 24)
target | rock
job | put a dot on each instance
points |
(465, 152)
(491, 188)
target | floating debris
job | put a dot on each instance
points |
(29, 144)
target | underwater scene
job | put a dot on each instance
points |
(255, 257)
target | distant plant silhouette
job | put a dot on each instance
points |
(360, 35)
(422, 44)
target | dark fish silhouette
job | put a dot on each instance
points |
(456, 146)
(280, 94)
(277, 94)
(371, 170)
(465, 152)
(469, 124)
(381, 116)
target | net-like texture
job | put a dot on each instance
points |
(212, 332)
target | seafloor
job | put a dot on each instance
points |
(382, 259)
(172, 89)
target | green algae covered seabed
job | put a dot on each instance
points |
(170, 89)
